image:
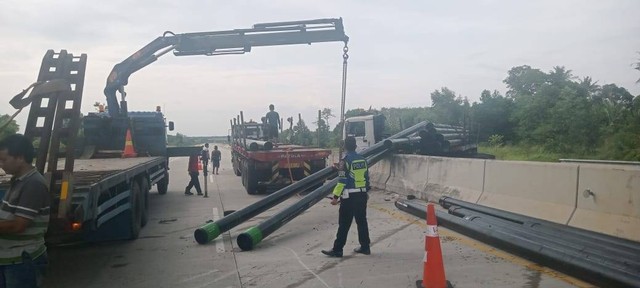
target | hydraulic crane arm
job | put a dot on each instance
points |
(238, 41)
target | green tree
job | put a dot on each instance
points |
(323, 134)
(301, 134)
(327, 114)
(10, 128)
(524, 80)
(492, 116)
(447, 107)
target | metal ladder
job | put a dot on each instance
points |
(54, 119)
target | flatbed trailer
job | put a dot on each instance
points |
(109, 199)
(270, 170)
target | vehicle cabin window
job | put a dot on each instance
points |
(355, 129)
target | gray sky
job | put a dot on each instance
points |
(400, 51)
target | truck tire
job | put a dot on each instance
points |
(236, 167)
(136, 210)
(163, 184)
(144, 189)
(251, 178)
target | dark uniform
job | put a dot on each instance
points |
(352, 190)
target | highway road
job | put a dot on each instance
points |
(166, 254)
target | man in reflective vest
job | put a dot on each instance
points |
(352, 191)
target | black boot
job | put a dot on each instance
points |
(332, 253)
(361, 250)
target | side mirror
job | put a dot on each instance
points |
(171, 126)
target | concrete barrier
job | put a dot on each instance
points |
(609, 200)
(457, 178)
(408, 174)
(379, 173)
(541, 190)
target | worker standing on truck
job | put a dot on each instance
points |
(351, 189)
(24, 216)
(193, 172)
(216, 156)
(273, 122)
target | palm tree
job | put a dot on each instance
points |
(559, 74)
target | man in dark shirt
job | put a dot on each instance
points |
(273, 122)
(24, 216)
(216, 156)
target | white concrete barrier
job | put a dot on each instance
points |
(541, 190)
(457, 178)
(609, 200)
(408, 174)
(379, 173)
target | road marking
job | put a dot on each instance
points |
(220, 240)
(200, 275)
(211, 178)
(477, 245)
(305, 267)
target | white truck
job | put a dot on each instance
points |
(436, 139)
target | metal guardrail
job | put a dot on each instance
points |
(591, 161)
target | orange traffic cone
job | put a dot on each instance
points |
(433, 276)
(129, 151)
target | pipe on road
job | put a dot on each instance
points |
(579, 234)
(546, 255)
(254, 235)
(210, 231)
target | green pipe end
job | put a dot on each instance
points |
(250, 238)
(207, 233)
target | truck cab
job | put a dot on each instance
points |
(148, 129)
(367, 129)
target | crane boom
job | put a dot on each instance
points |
(237, 41)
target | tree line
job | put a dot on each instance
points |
(554, 110)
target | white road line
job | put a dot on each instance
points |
(220, 240)
(200, 275)
(305, 267)
(211, 178)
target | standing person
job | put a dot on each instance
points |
(204, 155)
(216, 156)
(352, 189)
(273, 122)
(24, 216)
(193, 172)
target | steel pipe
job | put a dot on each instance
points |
(254, 235)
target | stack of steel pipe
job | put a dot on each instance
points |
(256, 145)
(212, 230)
(440, 139)
(593, 257)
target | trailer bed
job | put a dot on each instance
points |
(90, 172)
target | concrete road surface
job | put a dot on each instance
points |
(166, 254)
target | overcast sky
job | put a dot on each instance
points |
(400, 51)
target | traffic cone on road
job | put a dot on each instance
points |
(433, 275)
(129, 151)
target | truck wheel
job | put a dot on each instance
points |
(136, 210)
(251, 178)
(236, 168)
(163, 184)
(144, 189)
